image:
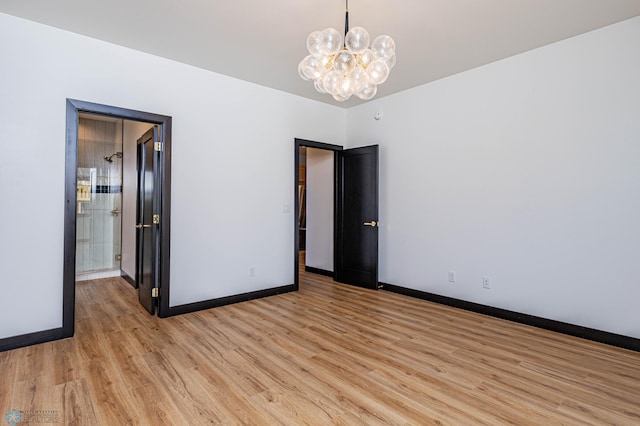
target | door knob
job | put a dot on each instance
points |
(140, 226)
(372, 223)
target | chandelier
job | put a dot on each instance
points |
(350, 67)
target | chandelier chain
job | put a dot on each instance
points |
(346, 20)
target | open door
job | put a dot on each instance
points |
(148, 222)
(356, 245)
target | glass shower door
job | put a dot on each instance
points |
(98, 221)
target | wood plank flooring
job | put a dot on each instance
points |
(328, 354)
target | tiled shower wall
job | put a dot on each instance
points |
(98, 233)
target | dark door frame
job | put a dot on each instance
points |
(328, 147)
(74, 108)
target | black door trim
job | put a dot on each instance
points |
(296, 247)
(74, 108)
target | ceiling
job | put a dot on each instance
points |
(263, 41)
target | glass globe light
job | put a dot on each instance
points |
(367, 91)
(344, 62)
(330, 82)
(357, 40)
(366, 57)
(378, 71)
(310, 67)
(319, 85)
(345, 86)
(384, 47)
(301, 70)
(324, 60)
(359, 77)
(391, 62)
(314, 41)
(331, 41)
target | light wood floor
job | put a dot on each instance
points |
(328, 354)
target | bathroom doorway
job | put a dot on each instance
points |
(106, 196)
(100, 222)
(99, 199)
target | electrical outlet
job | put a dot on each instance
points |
(452, 276)
(486, 282)
(252, 271)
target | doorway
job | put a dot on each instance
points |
(301, 203)
(355, 213)
(106, 197)
(316, 212)
(99, 197)
(78, 190)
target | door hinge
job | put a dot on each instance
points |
(154, 292)
(156, 219)
(158, 146)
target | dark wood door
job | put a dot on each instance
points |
(147, 227)
(357, 217)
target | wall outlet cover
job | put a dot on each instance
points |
(486, 282)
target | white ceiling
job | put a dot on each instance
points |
(262, 41)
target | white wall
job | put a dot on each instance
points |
(319, 243)
(526, 170)
(232, 166)
(132, 132)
